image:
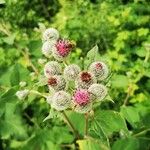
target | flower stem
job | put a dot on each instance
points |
(37, 93)
(71, 125)
(141, 133)
(86, 125)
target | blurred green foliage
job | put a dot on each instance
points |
(120, 28)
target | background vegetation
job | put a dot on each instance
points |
(120, 28)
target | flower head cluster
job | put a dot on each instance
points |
(69, 86)
(87, 89)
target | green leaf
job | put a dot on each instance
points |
(35, 47)
(96, 131)
(52, 114)
(92, 144)
(92, 53)
(119, 81)
(141, 52)
(131, 115)
(12, 123)
(8, 96)
(48, 139)
(66, 136)
(143, 31)
(37, 140)
(126, 144)
(77, 120)
(91, 56)
(109, 98)
(10, 39)
(109, 122)
(15, 76)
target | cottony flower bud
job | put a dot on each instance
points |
(22, 94)
(57, 83)
(50, 34)
(85, 79)
(49, 99)
(52, 68)
(63, 48)
(99, 69)
(47, 48)
(82, 101)
(71, 72)
(98, 90)
(61, 100)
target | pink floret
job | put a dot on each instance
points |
(64, 47)
(81, 97)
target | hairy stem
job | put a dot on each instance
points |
(71, 125)
(141, 133)
(86, 125)
(127, 96)
(37, 93)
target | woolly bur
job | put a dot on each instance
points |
(85, 79)
(99, 69)
(82, 101)
(99, 91)
(57, 83)
(52, 68)
(71, 72)
(22, 94)
(62, 50)
(50, 34)
(47, 48)
(61, 100)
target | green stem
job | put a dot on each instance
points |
(147, 56)
(141, 133)
(37, 93)
(71, 125)
(86, 125)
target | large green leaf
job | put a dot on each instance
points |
(91, 144)
(109, 121)
(7, 97)
(131, 115)
(77, 120)
(126, 144)
(48, 139)
(12, 123)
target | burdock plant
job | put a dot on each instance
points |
(69, 87)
